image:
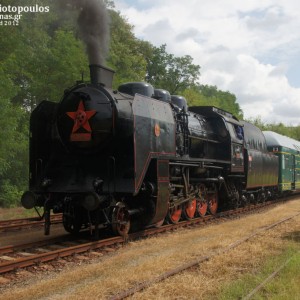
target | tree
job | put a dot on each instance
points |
(125, 56)
(292, 132)
(157, 63)
(43, 56)
(167, 71)
(13, 144)
(296, 133)
(206, 95)
(38, 59)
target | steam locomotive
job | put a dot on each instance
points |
(135, 157)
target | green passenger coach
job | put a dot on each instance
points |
(288, 152)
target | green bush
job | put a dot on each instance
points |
(10, 195)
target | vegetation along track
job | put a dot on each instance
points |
(25, 255)
(18, 224)
(143, 285)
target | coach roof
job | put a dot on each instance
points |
(274, 139)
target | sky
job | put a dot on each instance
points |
(250, 48)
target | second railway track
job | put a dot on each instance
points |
(196, 262)
(23, 223)
(24, 255)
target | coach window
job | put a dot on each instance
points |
(283, 162)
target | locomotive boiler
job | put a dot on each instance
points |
(135, 157)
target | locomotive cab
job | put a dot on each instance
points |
(223, 136)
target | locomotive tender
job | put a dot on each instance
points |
(135, 157)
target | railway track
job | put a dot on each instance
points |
(268, 279)
(23, 223)
(24, 255)
(196, 262)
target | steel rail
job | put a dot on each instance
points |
(143, 285)
(20, 220)
(14, 224)
(32, 259)
(269, 278)
(30, 219)
(51, 255)
(13, 248)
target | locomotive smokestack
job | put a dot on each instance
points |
(101, 75)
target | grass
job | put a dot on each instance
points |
(284, 286)
(236, 273)
(228, 276)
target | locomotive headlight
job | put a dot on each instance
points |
(91, 201)
(28, 200)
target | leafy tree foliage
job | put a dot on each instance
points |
(13, 143)
(124, 55)
(38, 61)
(157, 63)
(205, 95)
(290, 131)
(45, 62)
(167, 71)
(44, 55)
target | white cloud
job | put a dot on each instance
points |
(245, 47)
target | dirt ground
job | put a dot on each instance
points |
(147, 259)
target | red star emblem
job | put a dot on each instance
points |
(81, 120)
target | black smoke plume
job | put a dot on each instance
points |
(93, 22)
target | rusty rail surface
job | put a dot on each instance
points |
(143, 285)
(18, 224)
(48, 255)
(51, 255)
(270, 277)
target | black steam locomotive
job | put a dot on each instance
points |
(135, 157)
